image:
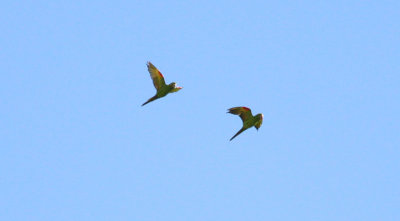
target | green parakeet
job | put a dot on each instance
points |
(159, 83)
(247, 117)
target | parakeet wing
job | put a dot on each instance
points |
(243, 112)
(156, 76)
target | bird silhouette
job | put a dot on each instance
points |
(247, 117)
(159, 83)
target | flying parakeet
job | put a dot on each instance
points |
(159, 83)
(247, 117)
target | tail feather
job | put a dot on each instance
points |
(239, 132)
(150, 100)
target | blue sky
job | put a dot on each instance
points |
(77, 145)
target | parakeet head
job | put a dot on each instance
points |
(174, 87)
(259, 121)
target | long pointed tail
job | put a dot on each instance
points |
(150, 100)
(239, 132)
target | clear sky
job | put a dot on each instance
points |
(77, 145)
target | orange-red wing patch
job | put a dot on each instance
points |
(246, 108)
(160, 74)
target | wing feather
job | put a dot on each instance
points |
(156, 76)
(243, 112)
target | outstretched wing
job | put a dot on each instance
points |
(156, 76)
(243, 112)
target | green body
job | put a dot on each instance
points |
(162, 92)
(166, 89)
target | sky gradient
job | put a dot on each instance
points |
(77, 145)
